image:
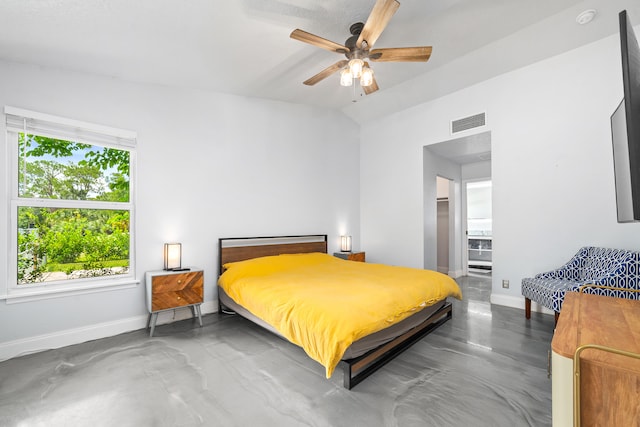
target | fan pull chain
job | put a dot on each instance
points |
(354, 99)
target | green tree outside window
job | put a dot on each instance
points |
(59, 243)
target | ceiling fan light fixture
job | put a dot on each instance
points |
(355, 66)
(346, 78)
(359, 48)
(366, 79)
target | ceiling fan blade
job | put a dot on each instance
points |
(377, 21)
(318, 41)
(326, 72)
(401, 54)
(371, 88)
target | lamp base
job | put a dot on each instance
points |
(177, 269)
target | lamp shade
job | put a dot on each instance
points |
(345, 243)
(355, 66)
(172, 256)
(366, 78)
(346, 79)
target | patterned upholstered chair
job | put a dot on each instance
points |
(615, 272)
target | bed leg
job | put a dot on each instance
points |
(346, 376)
(527, 308)
(223, 309)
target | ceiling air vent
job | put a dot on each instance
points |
(467, 123)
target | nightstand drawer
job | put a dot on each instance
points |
(351, 256)
(176, 290)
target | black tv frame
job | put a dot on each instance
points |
(627, 119)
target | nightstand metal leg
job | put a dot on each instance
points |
(153, 319)
(197, 308)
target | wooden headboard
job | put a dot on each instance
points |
(234, 249)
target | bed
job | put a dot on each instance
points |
(358, 353)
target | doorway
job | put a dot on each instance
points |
(479, 229)
(451, 164)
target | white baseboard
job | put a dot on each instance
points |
(517, 302)
(21, 347)
(455, 274)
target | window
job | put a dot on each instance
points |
(72, 204)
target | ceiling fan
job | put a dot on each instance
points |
(359, 48)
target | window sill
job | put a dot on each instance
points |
(15, 296)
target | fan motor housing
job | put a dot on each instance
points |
(351, 42)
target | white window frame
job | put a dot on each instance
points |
(76, 131)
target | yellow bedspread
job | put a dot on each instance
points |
(323, 303)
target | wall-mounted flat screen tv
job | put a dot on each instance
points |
(625, 128)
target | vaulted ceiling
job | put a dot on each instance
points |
(243, 47)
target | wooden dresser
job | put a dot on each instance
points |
(609, 383)
(168, 290)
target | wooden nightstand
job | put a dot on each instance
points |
(351, 256)
(168, 290)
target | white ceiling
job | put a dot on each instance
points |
(243, 46)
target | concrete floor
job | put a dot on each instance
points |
(485, 367)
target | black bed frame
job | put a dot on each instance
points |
(357, 369)
(354, 370)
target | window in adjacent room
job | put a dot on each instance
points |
(72, 204)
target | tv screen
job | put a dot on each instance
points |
(625, 128)
(621, 165)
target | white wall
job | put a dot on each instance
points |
(552, 167)
(212, 165)
(209, 165)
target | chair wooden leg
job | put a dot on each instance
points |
(527, 308)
